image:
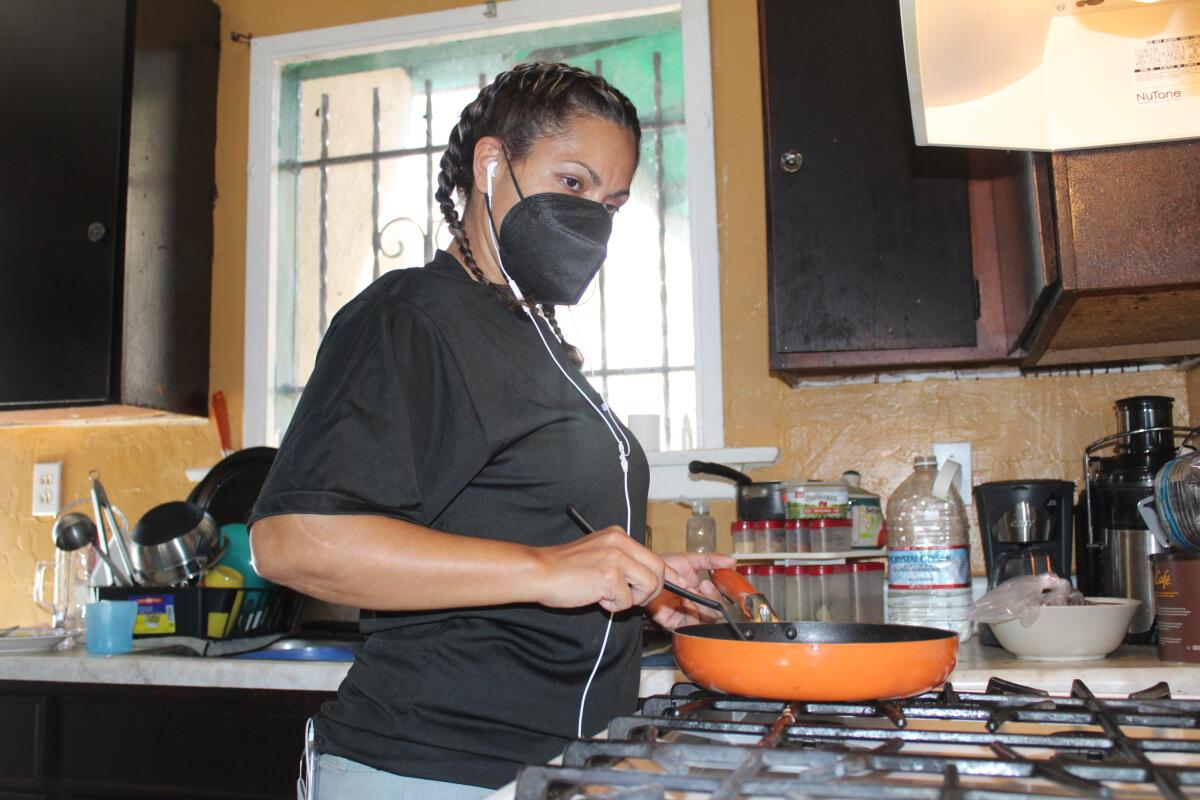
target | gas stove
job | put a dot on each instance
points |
(1009, 741)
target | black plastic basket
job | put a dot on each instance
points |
(208, 613)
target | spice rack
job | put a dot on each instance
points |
(841, 556)
(842, 586)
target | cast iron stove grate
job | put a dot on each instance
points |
(1010, 741)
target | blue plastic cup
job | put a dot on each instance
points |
(110, 626)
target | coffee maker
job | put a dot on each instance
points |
(1113, 544)
(1026, 530)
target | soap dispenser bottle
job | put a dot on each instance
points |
(701, 529)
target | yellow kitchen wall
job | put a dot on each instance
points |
(141, 457)
(1020, 427)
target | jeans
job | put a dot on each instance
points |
(338, 778)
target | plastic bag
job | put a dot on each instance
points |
(1022, 598)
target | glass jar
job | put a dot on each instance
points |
(71, 590)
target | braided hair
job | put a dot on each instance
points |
(519, 107)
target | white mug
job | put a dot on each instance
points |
(645, 428)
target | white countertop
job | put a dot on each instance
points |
(1127, 670)
(76, 666)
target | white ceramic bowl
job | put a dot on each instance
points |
(1070, 633)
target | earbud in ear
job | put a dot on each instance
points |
(491, 175)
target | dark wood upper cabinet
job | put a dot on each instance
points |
(106, 231)
(882, 254)
(885, 255)
(1126, 229)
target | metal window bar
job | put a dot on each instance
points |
(662, 240)
(429, 186)
(323, 263)
(603, 373)
(375, 229)
(656, 126)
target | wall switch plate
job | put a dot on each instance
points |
(47, 489)
(960, 452)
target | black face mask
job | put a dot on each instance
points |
(553, 244)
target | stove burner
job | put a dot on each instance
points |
(1010, 741)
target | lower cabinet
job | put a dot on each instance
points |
(100, 741)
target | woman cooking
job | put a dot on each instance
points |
(426, 471)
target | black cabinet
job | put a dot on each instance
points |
(881, 253)
(23, 755)
(106, 201)
(91, 741)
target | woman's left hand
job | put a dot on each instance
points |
(683, 569)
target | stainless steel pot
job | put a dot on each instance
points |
(173, 543)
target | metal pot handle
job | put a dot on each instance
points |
(1149, 511)
(720, 470)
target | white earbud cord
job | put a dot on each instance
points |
(606, 416)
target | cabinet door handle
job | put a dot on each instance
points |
(791, 161)
(96, 231)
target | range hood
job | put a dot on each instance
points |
(1052, 74)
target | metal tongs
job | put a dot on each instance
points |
(120, 566)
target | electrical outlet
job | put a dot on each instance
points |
(47, 489)
(960, 452)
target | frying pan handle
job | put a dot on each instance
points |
(736, 588)
(709, 468)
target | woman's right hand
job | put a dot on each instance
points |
(606, 567)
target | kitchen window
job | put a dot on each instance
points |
(347, 129)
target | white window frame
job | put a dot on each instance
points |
(269, 55)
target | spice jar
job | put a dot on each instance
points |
(795, 593)
(743, 536)
(776, 536)
(830, 535)
(761, 537)
(797, 538)
(832, 593)
(868, 591)
(747, 572)
(771, 584)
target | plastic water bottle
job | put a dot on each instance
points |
(701, 529)
(929, 557)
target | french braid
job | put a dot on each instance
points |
(573, 352)
(519, 107)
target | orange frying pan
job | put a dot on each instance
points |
(819, 661)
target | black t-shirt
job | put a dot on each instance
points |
(431, 402)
